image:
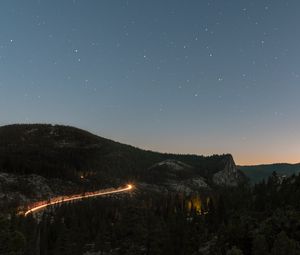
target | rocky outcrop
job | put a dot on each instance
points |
(18, 190)
(173, 164)
(230, 175)
(174, 175)
(188, 186)
(169, 169)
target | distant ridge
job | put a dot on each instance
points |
(257, 173)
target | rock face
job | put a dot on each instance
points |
(174, 175)
(188, 186)
(18, 190)
(173, 164)
(230, 176)
(170, 169)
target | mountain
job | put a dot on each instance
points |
(260, 172)
(52, 154)
(230, 175)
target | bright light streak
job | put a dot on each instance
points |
(77, 197)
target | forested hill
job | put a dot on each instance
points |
(68, 153)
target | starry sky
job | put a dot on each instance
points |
(197, 76)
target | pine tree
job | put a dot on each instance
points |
(260, 246)
(283, 245)
(234, 251)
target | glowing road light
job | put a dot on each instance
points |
(77, 197)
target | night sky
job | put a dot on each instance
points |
(203, 77)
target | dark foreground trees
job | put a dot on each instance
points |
(262, 220)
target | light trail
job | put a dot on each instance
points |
(77, 197)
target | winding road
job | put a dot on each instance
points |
(61, 200)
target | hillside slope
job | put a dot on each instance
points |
(68, 152)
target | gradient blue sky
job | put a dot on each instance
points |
(200, 77)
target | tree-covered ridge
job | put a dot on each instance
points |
(260, 172)
(67, 152)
